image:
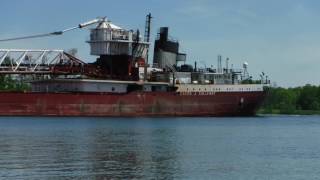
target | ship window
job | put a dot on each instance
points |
(112, 88)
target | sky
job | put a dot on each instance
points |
(278, 37)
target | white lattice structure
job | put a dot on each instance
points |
(27, 61)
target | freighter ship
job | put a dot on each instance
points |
(122, 83)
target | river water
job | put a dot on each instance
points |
(266, 147)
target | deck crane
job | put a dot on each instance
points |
(57, 33)
(43, 61)
(120, 53)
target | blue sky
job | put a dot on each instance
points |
(279, 37)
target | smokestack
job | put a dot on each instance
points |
(164, 34)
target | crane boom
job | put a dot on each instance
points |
(57, 33)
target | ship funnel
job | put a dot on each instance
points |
(166, 50)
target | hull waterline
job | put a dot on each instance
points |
(136, 104)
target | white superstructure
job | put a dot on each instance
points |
(192, 88)
(109, 39)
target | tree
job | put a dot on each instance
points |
(73, 51)
(309, 98)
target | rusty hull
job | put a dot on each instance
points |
(134, 104)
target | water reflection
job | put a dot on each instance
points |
(186, 148)
(90, 150)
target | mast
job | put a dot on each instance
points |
(147, 39)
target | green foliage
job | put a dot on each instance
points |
(293, 100)
(9, 84)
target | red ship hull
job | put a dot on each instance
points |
(130, 105)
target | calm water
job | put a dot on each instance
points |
(284, 147)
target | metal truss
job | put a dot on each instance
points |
(21, 61)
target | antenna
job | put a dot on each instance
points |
(219, 64)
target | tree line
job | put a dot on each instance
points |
(8, 83)
(298, 100)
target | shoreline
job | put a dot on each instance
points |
(293, 112)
